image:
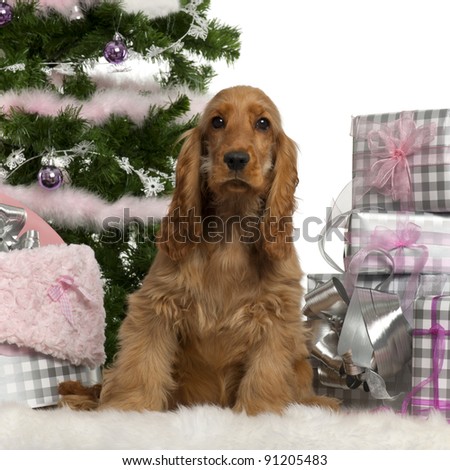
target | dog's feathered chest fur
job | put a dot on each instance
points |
(218, 290)
(215, 280)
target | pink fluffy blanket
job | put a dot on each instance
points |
(51, 300)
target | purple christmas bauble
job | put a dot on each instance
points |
(115, 51)
(50, 177)
(6, 14)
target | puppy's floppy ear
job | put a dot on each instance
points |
(277, 224)
(181, 228)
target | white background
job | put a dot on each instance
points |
(324, 61)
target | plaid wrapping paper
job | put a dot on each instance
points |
(429, 165)
(431, 386)
(360, 398)
(397, 283)
(417, 242)
(33, 379)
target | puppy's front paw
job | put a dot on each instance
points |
(322, 401)
(255, 407)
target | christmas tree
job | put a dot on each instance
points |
(94, 96)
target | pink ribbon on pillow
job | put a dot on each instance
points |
(438, 336)
(392, 145)
(58, 293)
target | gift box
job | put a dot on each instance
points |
(52, 318)
(361, 398)
(401, 161)
(389, 283)
(32, 378)
(431, 357)
(326, 382)
(416, 243)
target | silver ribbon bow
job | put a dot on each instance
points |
(12, 221)
(362, 341)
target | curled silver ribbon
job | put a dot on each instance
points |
(12, 221)
(376, 332)
(331, 378)
(367, 343)
(325, 308)
(325, 350)
(328, 300)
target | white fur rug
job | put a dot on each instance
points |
(206, 428)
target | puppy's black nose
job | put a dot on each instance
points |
(236, 160)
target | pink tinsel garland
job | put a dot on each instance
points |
(73, 208)
(152, 9)
(64, 7)
(97, 109)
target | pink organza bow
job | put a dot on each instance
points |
(58, 293)
(383, 238)
(387, 241)
(405, 236)
(392, 144)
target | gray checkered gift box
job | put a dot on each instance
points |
(431, 357)
(33, 379)
(380, 142)
(417, 242)
(429, 284)
(396, 284)
(359, 398)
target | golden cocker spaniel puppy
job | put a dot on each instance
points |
(217, 319)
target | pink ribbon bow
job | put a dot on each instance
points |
(383, 238)
(392, 145)
(406, 236)
(58, 293)
(385, 241)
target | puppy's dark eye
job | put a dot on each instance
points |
(218, 122)
(262, 124)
